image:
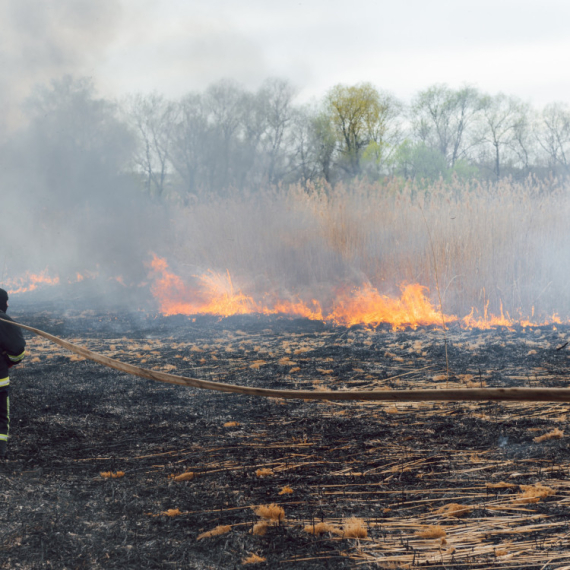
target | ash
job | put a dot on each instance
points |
(398, 468)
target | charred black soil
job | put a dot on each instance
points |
(91, 480)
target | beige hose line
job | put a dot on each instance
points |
(454, 395)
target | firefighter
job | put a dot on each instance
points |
(12, 349)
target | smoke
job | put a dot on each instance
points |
(70, 201)
(42, 40)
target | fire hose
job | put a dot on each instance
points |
(442, 395)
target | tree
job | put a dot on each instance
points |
(524, 143)
(224, 103)
(78, 143)
(501, 117)
(153, 119)
(442, 116)
(420, 161)
(191, 143)
(359, 115)
(553, 134)
(276, 97)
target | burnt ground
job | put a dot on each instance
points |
(400, 468)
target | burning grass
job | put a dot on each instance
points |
(360, 255)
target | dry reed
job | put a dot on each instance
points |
(454, 510)
(322, 528)
(554, 434)
(260, 528)
(220, 529)
(253, 559)
(111, 475)
(270, 512)
(354, 528)
(188, 476)
(533, 493)
(495, 244)
(432, 531)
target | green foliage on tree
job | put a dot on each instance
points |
(359, 116)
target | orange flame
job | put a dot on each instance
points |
(215, 294)
(488, 320)
(368, 307)
(30, 282)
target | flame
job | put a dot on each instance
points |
(296, 308)
(215, 294)
(367, 306)
(30, 282)
(487, 320)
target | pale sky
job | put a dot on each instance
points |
(174, 46)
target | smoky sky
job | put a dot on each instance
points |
(175, 46)
(40, 41)
(516, 47)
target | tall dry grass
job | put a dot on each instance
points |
(506, 243)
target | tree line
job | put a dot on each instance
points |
(228, 137)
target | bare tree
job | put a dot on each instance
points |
(191, 141)
(249, 167)
(442, 116)
(302, 158)
(553, 134)
(153, 119)
(524, 143)
(276, 97)
(501, 117)
(224, 102)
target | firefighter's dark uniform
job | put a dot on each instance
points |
(12, 349)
